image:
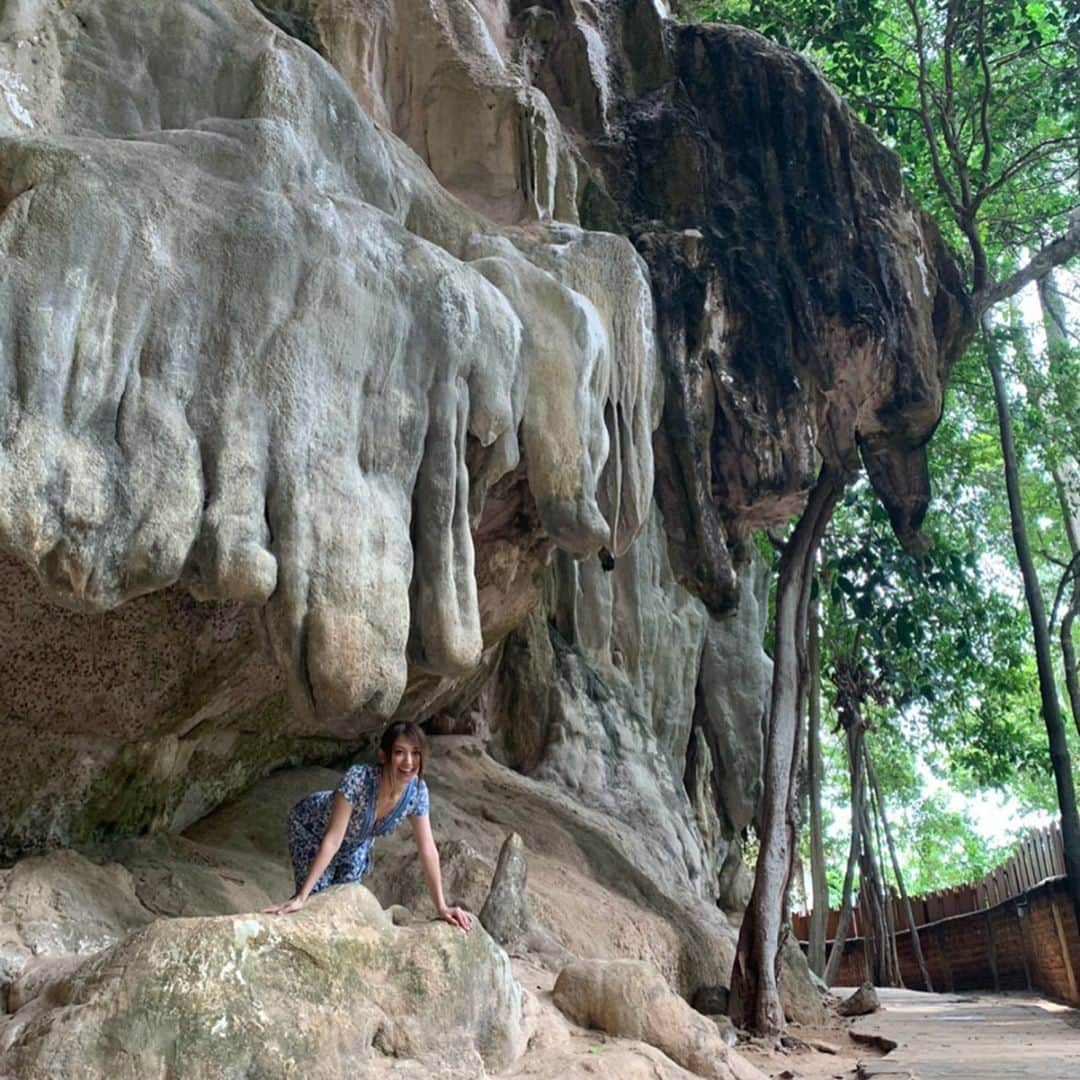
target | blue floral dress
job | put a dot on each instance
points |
(309, 817)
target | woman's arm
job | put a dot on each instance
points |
(429, 860)
(340, 813)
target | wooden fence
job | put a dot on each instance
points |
(1039, 856)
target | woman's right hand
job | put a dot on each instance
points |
(295, 904)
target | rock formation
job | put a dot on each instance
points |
(258, 996)
(625, 997)
(342, 349)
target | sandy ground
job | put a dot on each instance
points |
(825, 1052)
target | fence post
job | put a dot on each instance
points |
(1070, 975)
(943, 955)
(1021, 910)
(991, 949)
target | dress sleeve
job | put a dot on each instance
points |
(420, 804)
(353, 786)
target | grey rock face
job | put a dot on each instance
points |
(733, 694)
(609, 691)
(317, 340)
(233, 359)
(451, 80)
(600, 750)
(251, 237)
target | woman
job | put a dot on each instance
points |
(331, 833)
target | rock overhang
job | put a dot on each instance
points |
(774, 295)
(231, 365)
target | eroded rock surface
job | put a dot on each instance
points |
(628, 998)
(253, 349)
(330, 987)
(807, 310)
(318, 337)
(60, 910)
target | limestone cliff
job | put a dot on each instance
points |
(319, 338)
(430, 358)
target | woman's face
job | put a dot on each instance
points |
(404, 758)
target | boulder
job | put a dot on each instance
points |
(505, 914)
(711, 1000)
(62, 904)
(630, 999)
(864, 1000)
(397, 875)
(802, 1001)
(327, 990)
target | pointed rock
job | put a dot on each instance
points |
(505, 914)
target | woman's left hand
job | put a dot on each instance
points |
(455, 916)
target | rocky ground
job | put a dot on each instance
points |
(148, 952)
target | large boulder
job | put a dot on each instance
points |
(324, 991)
(63, 904)
(630, 999)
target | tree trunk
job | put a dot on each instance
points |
(1066, 473)
(1051, 707)
(1068, 656)
(872, 891)
(755, 994)
(843, 925)
(916, 945)
(820, 915)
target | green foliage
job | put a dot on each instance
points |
(938, 646)
(938, 656)
(943, 848)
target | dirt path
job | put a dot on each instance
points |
(972, 1037)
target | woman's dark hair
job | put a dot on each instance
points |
(404, 729)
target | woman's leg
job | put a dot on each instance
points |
(303, 844)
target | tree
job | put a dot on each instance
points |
(755, 992)
(981, 99)
(819, 917)
(918, 643)
(1063, 376)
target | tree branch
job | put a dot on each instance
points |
(984, 97)
(883, 106)
(1032, 154)
(1070, 571)
(924, 112)
(1057, 253)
